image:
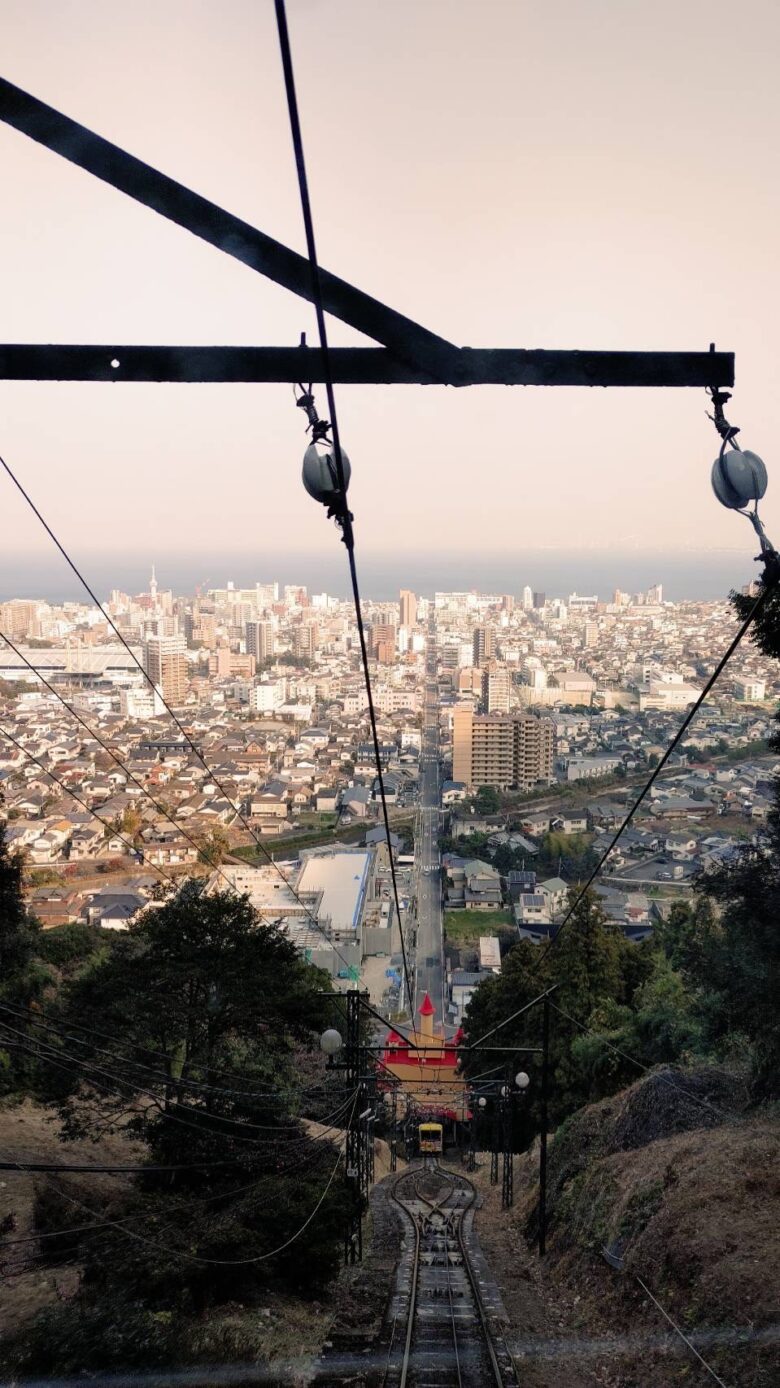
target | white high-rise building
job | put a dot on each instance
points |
(528, 598)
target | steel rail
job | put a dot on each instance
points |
(473, 1282)
(452, 1231)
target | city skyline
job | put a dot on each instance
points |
(684, 578)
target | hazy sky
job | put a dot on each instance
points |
(592, 173)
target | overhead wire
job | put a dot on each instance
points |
(647, 1069)
(68, 790)
(67, 1061)
(184, 1256)
(299, 1165)
(42, 1022)
(158, 805)
(177, 721)
(344, 516)
(770, 582)
(40, 1016)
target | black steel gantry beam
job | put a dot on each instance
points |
(230, 234)
(361, 366)
(410, 353)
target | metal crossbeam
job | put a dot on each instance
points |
(408, 340)
(410, 353)
(362, 366)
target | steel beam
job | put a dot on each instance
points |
(362, 366)
(407, 339)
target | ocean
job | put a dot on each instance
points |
(705, 575)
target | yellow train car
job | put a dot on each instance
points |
(431, 1138)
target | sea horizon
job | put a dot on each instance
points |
(689, 575)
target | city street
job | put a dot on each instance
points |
(428, 964)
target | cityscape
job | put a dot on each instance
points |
(389, 695)
(226, 734)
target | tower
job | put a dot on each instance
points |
(153, 587)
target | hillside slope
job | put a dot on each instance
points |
(685, 1195)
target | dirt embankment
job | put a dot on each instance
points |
(684, 1194)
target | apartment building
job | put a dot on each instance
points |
(484, 642)
(502, 750)
(496, 688)
(260, 640)
(165, 662)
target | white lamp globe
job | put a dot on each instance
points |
(330, 1041)
(482, 1102)
(521, 1080)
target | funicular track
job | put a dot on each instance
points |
(443, 1338)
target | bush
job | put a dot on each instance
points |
(69, 1339)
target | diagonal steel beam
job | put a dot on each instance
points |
(361, 366)
(406, 339)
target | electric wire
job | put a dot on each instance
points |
(134, 850)
(770, 582)
(158, 805)
(183, 1256)
(299, 1165)
(42, 1021)
(647, 1069)
(282, 1094)
(177, 721)
(680, 1332)
(344, 518)
(57, 1057)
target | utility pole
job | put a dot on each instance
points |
(508, 1166)
(353, 1236)
(394, 1130)
(495, 1127)
(543, 1134)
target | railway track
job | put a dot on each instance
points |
(443, 1337)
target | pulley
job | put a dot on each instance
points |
(320, 474)
(738, 478)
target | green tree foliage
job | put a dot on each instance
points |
(22, 978)
(197, 1018)
(214, 846)
(197, 986)
(571, 853)
(594, 967)
(487, 800)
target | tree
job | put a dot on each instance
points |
(131, 822)
(486, 800)
(197, 985)
(593, 967)
(214, 846)
(22, 979)
(207, 1009)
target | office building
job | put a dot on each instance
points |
(165, 662)
(539, 600)
(528, 598)
(514, 750)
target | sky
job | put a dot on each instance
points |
(578, 173)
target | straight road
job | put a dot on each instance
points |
(429, 962)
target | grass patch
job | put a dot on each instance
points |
(470, 925)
